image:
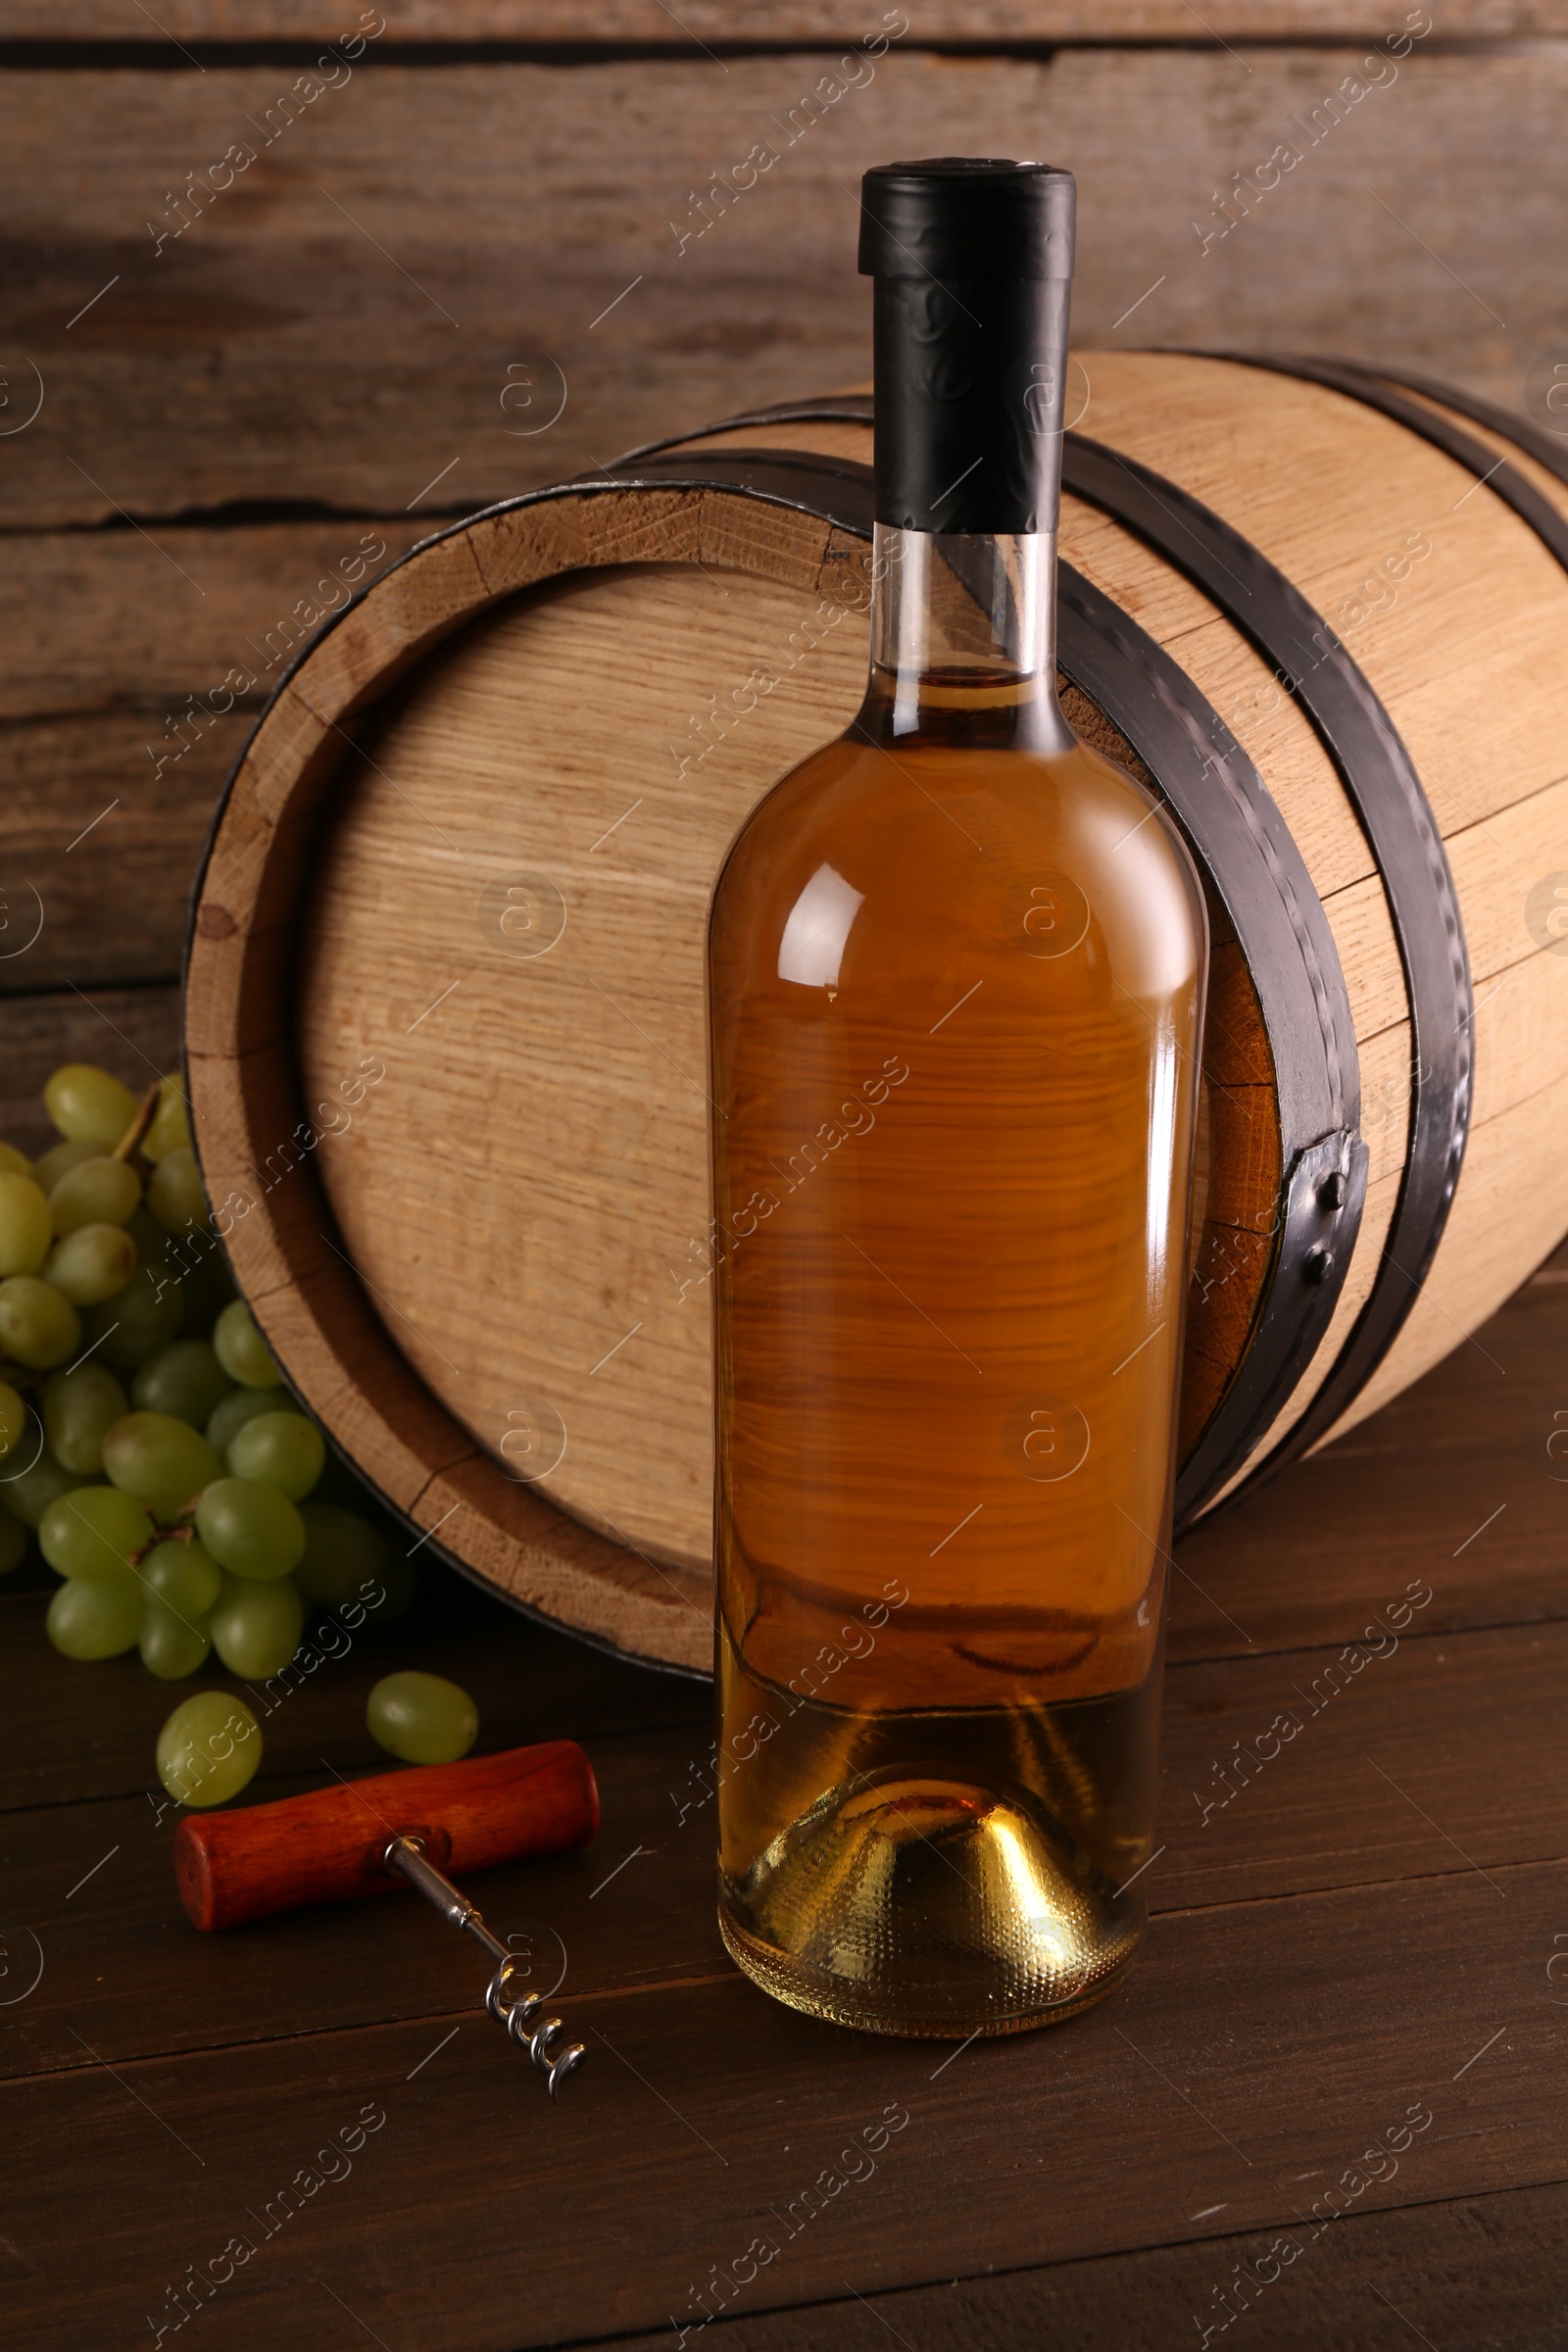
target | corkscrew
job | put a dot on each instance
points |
(407, 1856)
(365, 1837)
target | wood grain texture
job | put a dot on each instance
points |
(325, 374)
(1258, 2052)
(1483, 1420)
(1512, 1206)
(133, 674)
(1375, 488)
(1474, 2274)
(641, 22)
(614, 1230)
(1517, 1067)
(110, 622)
(102, 849)
(1270, 724)
(1515, 1200)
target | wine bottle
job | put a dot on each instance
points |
(956, 964)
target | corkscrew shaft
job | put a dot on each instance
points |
(406, 1857)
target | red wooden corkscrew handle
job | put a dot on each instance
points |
(329, 1845)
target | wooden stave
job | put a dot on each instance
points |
(1446, 418)
(1474, 1269)
(1541, 1212)
(312, 1311)
(1377, 773)
(459, 532)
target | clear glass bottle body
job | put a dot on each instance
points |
(956, 966)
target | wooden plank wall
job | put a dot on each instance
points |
(289, 280)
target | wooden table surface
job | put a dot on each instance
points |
(1326, 2110)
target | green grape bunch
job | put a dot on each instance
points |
(149, 1441)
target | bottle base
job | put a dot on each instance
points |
(840, 2007)
(911, 1904)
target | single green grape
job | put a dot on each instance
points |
(125, 1331)
(38, 1325)
(96, 1192)
(30, 1490)
(161, 1460)
(94, 1620)
(283, 1448)
(184, 1577)
(92, 1262)
(79, 1407)
(171, 1128)
(256, 1628)
(208, 1748)
(13, 1419)
(25, 1230)
(241, 1349)
(228, 1418)
(87, 1106)
(93, 1534)
(13, 1542)
(172, 1647)
(14, 1162)
(186, 1380)
(342, 1553)
(59, 1159)
(250, 1529)
(176, 1195)
(422, 1717)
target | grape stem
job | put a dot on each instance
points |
(182, 1532)
(134, 1134)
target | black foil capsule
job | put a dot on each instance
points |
(972, 258)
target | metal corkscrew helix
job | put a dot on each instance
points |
(407, 1856)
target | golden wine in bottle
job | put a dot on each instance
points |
(956, 964)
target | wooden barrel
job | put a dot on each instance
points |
(443, 1010)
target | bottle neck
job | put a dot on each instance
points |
(963, 641)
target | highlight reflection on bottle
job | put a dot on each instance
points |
(957, 967)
